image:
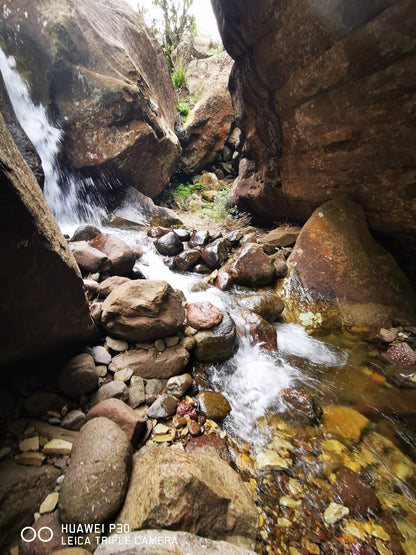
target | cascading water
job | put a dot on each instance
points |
(62, 189)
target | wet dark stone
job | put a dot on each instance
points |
(200, 238)
(156, 232)
(234, 237)
(169, 244)
(216, 236)
(85, 232)
(353, 492)
(202, 269)
(183, 234)
(216, 253)
(223, 281)
(300, 406)
(186, 260)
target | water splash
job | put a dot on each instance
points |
(70, 197)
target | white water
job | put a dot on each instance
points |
(62, 190)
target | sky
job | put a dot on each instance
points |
(202, 9)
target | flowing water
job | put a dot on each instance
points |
(338, 369)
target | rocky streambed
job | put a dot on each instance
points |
(201, 407)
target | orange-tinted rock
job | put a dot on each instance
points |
(258, 330)
(253, 267)
(213, 405)
(321, 91)
(203, 315)
(300, 406)
(353, 492)
(340, 276)
(268, 305)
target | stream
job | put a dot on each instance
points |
(339, 369)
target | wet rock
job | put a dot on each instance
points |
(179, 385)
(89, 260)
(215, 254)
(270, 460)
(183, 234)
(40, 402)
(184, 408)
(258, 330)
(122, 415)
(401, 353)
(186, 260)
(223, 281)
(78, 376)
(164, 406)
(116, 390)
(209, 445)
(213, 405)
(45, 299)
(300, 406)
(216, 344)
(267, 305)
(280, 268)
(335, 512)
(223, 507)
(22, 490)
(199, 238)
(387, 335)
(74, 420)
(85, 232)
(121, 255)
(97, 476)
(343, 422)
(143, 311)
(101, 355)
(158, 231)
(253, 267)
(203, 315)
(108, 285)
(136, 392)
(234, 237)
(202, 269)
(152, 363)
(175, 543)
(281, 237)
(137, 208)
(353, 492)
(342, 274)
(169, 244)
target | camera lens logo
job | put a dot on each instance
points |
(29, 534)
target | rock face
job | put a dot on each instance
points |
(96, 480)
(208, 124)
(44, 301)
(340, 276)
(22, 490)
(142, 311)
(209, 499)
(106, 78)
(321, 91)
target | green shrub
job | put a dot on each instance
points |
(183, 194)
(183, 108)
(179, 77)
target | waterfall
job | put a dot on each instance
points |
(70, 197)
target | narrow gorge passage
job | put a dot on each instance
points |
(243, 382)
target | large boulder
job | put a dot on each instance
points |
(340, 276)
(44, 307)
(142, 310)
(208, 124)
(97, 476)
(22, 490)
(138, 208)
(189, 492)
(121, 255)
(321, 90)
(217, 343)
(106, 77)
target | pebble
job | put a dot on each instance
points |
(335, 512)
(101, 355)
(117, 345)
(289, 502)
(101, 370)
(160, 345)
(164, 438)
(172, 341)
(49, 504)
(123, 375)
(136, 392)
(60, 479)
(58, 447)
(29, 444)
(194, 428)
(160, 429)
(179, 385)
(269, 460)
(30, 459)
(74, 420)
(164, 406)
